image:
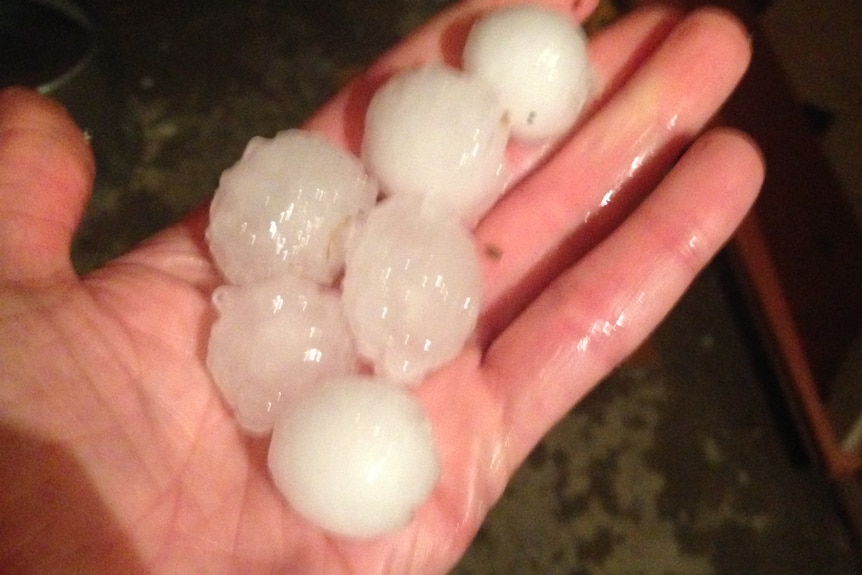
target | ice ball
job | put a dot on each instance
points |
(271, 341)
(437, 133)
(411, 288)
(355, 456)
(287, 206)
(536, 59)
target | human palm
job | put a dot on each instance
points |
(119, 455)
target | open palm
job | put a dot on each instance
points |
(118, 455)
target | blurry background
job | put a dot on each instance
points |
(692, 458)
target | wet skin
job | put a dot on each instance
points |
(121, 457)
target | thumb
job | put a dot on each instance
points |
(46, 176)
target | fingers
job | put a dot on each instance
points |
(558, 213)
(615, 53)
(46, 174)
(595, 314)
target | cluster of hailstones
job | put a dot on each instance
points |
(337, 301)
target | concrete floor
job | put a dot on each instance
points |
(683, 462)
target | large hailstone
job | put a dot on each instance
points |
(355, 456)
(536, 59)
(287, 206)
(437, 133)
(271, 341)
(411, 288)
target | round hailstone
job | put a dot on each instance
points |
(356, 456)
(536, 59)
(287, 206)
(438, 133)
(271, 341)
(411, 288)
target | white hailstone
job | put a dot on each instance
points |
(411, 288)
(355, 456)
(536, 59)
(271, 341)
(436, 132)
(287, 205)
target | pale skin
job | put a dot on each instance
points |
(118, 456)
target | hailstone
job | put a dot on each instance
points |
(287, 206)
(271, 341)
(536, 59)
(411, 288)
(438, 133)
(329, 284)
(355, 456)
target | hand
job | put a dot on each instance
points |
(120, 457)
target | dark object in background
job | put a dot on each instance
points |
(43, 43)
